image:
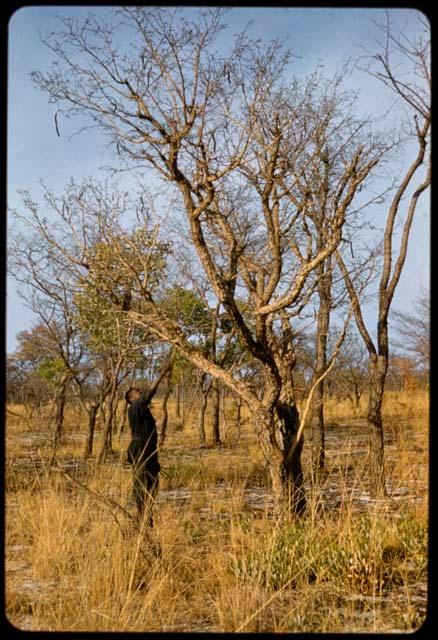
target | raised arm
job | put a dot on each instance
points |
(148, 394)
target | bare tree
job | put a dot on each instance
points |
(213, 127)
(44, 287)
(411, 85)
(314, 179)
(349, 375)
(413, 330)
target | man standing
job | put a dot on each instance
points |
(142, 450)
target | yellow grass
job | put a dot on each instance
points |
(75, 564)
(395, 404)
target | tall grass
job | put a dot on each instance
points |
(75, 564)
(395, 404)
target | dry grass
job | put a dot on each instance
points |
(226, 564)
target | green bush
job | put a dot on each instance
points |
(292, 557)
(375, 555)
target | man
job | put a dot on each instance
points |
(142, 450)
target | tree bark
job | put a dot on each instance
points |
(238, 418)
(106, 446)
(318, 425)
(223, 395)
(183, 405)
(92, 411)
(285, 467)
(216, 413)
(205, 390)
(356, 401)
(377, 374)
(124, 416)
(201, 416)
(60, 398)
(165, 418)
(318, 431)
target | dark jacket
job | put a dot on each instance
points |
(143, 447)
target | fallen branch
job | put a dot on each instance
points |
(19, 415)
(110, 504)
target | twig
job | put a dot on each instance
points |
(109, 503)
(19, 415)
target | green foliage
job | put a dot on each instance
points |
(377, 555)
(287, 560)
(180, 367)
(126, 262)
(102, 326)
(187, 309)
(195, 532)
(51, 370)
(119, 275)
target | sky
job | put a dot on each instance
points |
(324, 36)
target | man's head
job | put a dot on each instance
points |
(132, 395)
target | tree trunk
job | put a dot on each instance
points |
(109, 430)
(124, 416)
(216, 413)
(109, 419)
(377, 374)
(183, 405)
(165, 418)
(178, 400)
(59, 415)
(238, 418)
(357, 396)
(318, 425)
(205, 390)
(284, 458)
(201, 416)
(223, 395)
(318, 431)
(60, 398)
(92, 411)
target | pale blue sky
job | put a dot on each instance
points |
(35, 152)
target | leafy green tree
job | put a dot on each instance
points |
(80, 266)
(106, 289)
(51, 370)
(25, 384)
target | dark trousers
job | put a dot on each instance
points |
(145, 468)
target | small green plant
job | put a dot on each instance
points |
(292, 557)
(194, 532)
(372, 558)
